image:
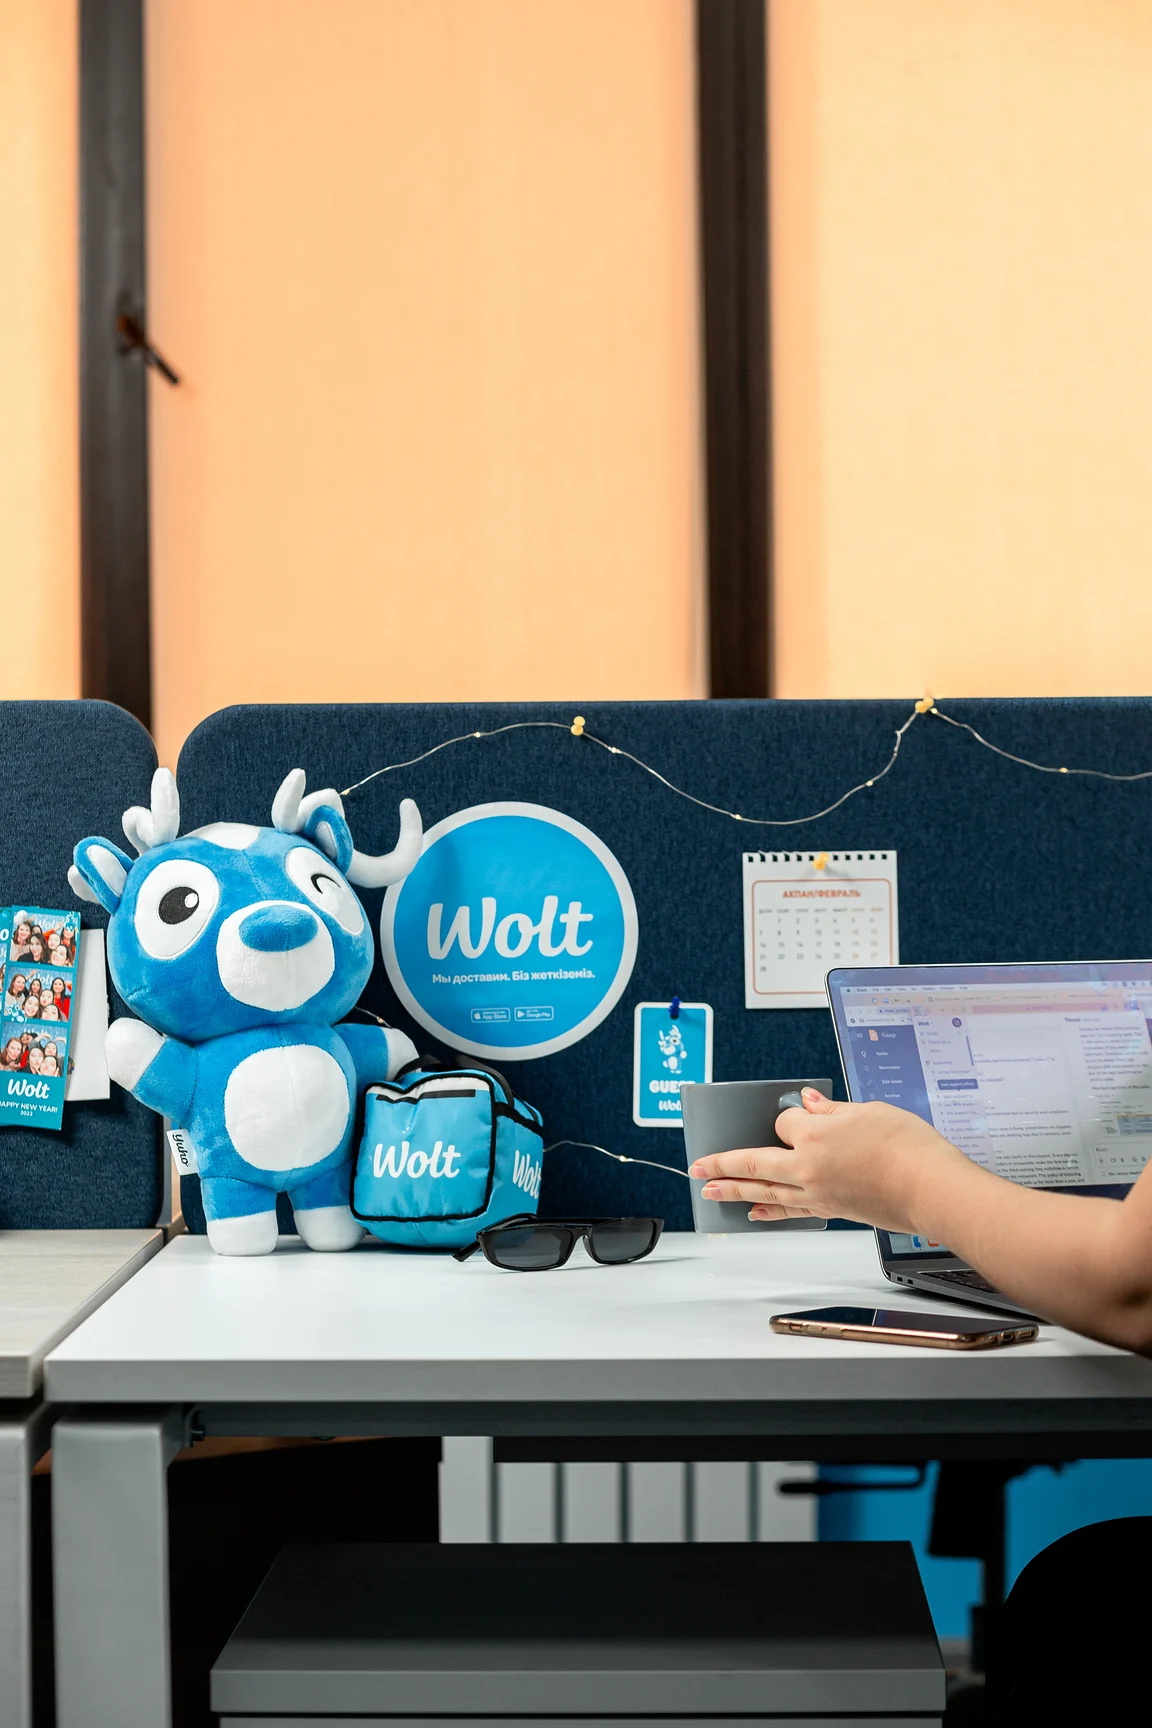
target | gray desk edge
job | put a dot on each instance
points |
(22, 1374)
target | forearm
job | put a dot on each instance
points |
(1070, 1259)
(1084, 1262)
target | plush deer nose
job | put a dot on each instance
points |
(278, 929)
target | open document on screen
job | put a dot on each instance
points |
(1047, 1084)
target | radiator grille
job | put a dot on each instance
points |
(482, 1501)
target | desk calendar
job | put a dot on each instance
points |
(806, 912)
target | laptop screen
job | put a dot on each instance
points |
(1041, 1073)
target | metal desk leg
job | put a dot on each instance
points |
(466, 1489)
(23, 1438)
(110, 1568)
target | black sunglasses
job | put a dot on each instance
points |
(526, 1243)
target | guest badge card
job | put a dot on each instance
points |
(671, 1043)
(39, 950)
(806, 912)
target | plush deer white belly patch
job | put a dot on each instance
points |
(286, 1107)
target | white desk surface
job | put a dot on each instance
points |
(50, 1280)
(688, 1324)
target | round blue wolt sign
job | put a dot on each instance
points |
(514, 935)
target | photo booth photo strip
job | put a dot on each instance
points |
(41, 948)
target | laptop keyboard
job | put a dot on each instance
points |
(969, 1280)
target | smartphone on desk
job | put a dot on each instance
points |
(906, 1326)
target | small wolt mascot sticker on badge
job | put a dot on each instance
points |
(672, 1048)
(239, 948)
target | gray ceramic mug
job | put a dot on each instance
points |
(727, 1114)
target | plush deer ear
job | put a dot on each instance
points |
(99, 872)
(326, 828)
(319, 817)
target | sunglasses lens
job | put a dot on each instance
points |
(529, 1247)
(621, 1239)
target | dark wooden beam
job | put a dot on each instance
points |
(115, 623)
(732, 78)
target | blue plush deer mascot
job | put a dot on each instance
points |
(240, 948)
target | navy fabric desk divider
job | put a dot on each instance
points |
(996, 862)
(71, 769)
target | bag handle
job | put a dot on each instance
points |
(418, 1062)
(462, 1061)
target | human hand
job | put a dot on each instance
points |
(868, 1162)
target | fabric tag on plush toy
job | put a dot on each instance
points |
(183, 1152)
(39, 949)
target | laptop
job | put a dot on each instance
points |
(1041, 1073)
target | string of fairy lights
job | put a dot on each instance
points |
(926, 707)
(617, 1157)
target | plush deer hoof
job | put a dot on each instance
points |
(401, 1050)
(254, 1234)
(129, 1049)
(330, 1229)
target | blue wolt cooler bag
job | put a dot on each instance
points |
(445, 1151)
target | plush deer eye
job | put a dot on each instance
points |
(325, 887)
(174, 905)
(178, 905)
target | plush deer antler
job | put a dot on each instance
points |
(161, 823)
(291, 810)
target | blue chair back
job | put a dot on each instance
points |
(73, 768)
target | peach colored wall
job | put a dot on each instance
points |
(39, 471)
(429, 269)
(429, 265)
(962, 249)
